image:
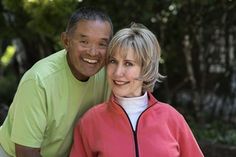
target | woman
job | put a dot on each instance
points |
(133, 123)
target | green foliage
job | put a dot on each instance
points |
(216, 132)
(49, 17)
(8, 86)
(13, 5)
(38, 19)
(8, 55)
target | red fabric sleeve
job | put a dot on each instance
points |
(187, 142)
(80, 146)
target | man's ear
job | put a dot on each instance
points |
(65, 40)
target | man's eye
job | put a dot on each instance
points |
(83, 42)
(103, 45)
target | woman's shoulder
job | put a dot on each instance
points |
(96, 111)
(167, 110)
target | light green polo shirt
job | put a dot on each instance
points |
(47, 103)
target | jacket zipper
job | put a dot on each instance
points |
(135, 132)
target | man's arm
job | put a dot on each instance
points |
(23, 151)
(29, 121)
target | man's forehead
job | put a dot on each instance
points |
(83, 35)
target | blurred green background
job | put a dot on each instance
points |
(198, 41)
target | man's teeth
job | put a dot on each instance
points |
(90, 60)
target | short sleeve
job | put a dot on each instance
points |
(29, 115)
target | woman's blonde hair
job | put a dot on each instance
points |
(146, 48)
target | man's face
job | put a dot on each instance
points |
(86, 47)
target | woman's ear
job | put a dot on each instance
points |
(65, 40)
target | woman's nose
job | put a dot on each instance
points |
(119, 71)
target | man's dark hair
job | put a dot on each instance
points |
(88, 13)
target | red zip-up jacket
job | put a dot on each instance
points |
(106, 131)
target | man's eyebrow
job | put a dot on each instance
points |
(105, 39)
(82, 35)
(85, 36)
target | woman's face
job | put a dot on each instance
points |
(123, 73)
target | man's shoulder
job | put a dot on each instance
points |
(48, 66)
(51, 62)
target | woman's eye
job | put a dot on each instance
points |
(112, 61)
(128, 64)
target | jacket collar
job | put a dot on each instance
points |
(114, 106)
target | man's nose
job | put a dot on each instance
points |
(93, 50)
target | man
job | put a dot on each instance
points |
(58, 89)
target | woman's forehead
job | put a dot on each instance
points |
(123, 52)
(126, 54)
